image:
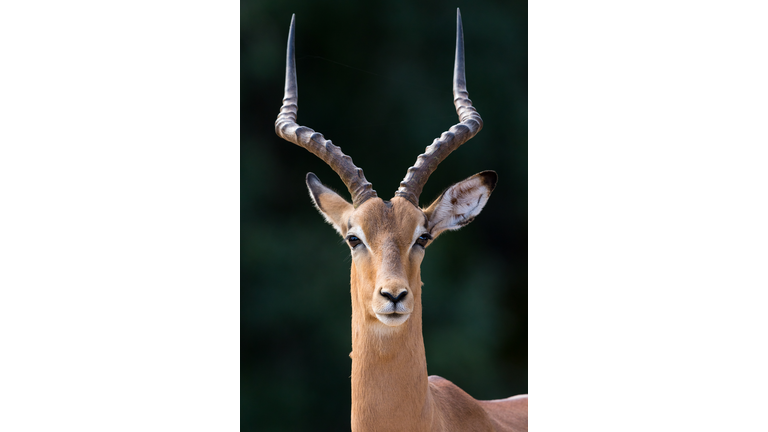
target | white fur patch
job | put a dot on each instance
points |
(358, 232)
(417, 233)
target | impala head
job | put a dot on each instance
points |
(387, 239)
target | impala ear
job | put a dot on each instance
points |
(460, 203)
(333, 207)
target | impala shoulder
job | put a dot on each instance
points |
(446, 392)
(457, 407)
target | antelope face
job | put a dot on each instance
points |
(388, 239)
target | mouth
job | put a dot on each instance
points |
(393, 319)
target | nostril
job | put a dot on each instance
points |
(400, 296)
(392, 298)
(388, 295)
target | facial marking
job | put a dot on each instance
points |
(418, 232)
(357, 232)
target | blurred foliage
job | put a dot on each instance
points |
(375, 77)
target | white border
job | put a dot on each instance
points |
(648, 216)
(119, 239)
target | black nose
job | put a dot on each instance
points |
(394, 299)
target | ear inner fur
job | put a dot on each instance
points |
(458, 205)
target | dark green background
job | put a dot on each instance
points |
(376, 79)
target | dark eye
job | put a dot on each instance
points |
(353, 241)
(423, 240)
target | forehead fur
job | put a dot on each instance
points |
(396, 219)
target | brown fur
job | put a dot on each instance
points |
(391, 390)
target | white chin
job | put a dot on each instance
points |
(393, 320)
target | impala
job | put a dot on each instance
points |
(391, 390)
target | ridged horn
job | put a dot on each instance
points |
(470, 124)
(287, 128)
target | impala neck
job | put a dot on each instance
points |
(389, 373)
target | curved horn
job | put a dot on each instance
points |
(470, 124)
(287, 128)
